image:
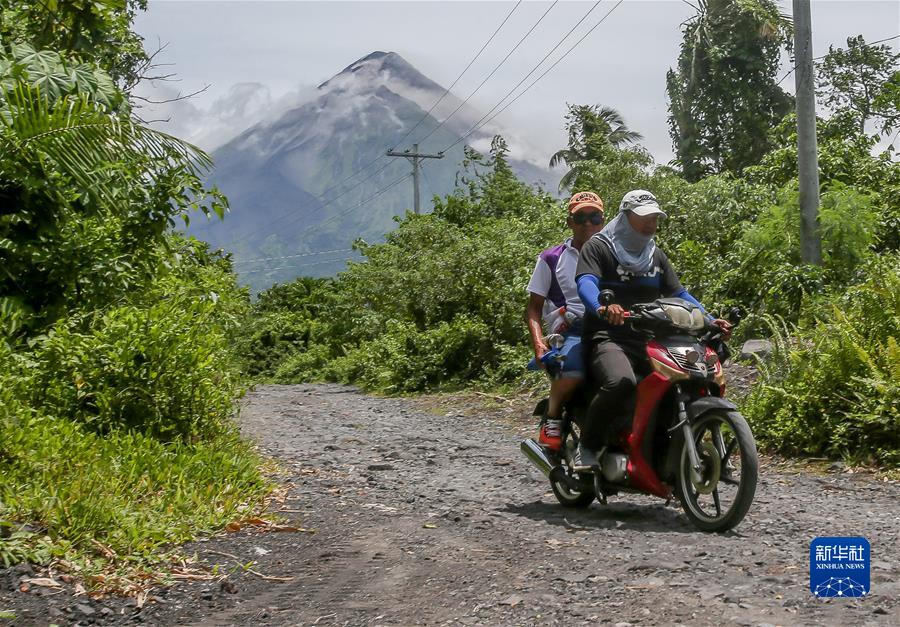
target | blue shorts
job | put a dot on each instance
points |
(573, 364)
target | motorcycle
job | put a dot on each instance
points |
(684, 440)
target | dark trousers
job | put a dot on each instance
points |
(612, 365)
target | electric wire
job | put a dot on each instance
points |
(494, 71)
(322, 252)
(532, 84)
(539, 63)
(370, 163)
(294, 266)
(291, 213)
(380, 192)
(427, 182)
(456, 80)
(332, 218)
(822, 56)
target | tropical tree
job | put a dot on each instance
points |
(864, 79)
(86, 193)
(592, 130)
(95, 30)
(723, 96)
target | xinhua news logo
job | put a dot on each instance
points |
(839, 567)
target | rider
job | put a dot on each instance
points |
(623, 257)
(554, 299)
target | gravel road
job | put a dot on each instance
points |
(415, 512)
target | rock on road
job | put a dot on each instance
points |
(436, 518)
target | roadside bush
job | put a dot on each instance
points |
(404, 359)
(765, 272)
(161, 370)
(833, 388)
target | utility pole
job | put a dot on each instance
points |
(414, 157)
(807, 151)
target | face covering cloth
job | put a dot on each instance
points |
(633, 250)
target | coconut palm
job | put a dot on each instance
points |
(591, 128)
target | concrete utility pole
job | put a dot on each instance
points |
(807, 151)
(414, 157)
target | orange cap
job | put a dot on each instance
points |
(582, 200)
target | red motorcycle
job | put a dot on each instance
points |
(685, 440)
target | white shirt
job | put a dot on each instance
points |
(541, 283)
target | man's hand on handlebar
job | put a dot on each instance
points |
(725, 327)
(614, 313)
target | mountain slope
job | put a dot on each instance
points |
(289, 179)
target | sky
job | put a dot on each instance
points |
(251, 60)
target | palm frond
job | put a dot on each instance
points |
(82, 141)
(564, 156)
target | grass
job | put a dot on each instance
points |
(110, 508)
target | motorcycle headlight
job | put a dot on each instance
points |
(689, 320)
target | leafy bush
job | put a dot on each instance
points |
(157, 370)
(404, 359)
(833, 388)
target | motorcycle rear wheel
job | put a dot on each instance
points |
(567, 497)
(729, 461)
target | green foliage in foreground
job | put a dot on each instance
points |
(116, 426)
(833, 387)
(117, 372)
(126, 490)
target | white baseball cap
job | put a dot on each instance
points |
(641, 202)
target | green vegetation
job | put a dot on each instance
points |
(122, 344)
(723, 94)
(833, 385)
(440, 303)
(117, 373)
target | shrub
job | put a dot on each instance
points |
(163, 370)
(833, 388)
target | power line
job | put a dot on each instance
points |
(325, 204)
(524, 37)
(532, 84)
(357, 206)
(447, 91)
(334, 217)
(305, 265)
(869, 45)
(427, 182)
(539, 63)
(374, 160)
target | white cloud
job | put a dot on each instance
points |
(240, 107)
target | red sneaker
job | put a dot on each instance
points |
(551, 434)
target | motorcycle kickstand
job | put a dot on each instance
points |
(598, 490)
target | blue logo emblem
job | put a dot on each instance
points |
(839, 567)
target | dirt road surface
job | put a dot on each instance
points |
(417, 513)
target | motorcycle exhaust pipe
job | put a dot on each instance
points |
(536, 456)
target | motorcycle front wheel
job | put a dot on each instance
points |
(717, 497)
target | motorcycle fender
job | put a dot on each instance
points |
(707, 404)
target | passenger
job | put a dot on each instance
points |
(554, 300)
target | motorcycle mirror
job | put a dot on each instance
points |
(735, 315)
(607, 297)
